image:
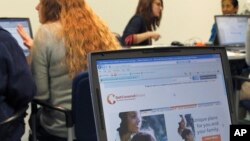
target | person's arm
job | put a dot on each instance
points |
(213, 34)
(135, 32)
(27, 40)
(248, 44)
(40, 66)
(138, 38)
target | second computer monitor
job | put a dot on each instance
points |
(10, 24)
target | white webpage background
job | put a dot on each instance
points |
(233, 30)
(171, 84)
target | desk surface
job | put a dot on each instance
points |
(235, 55)
(231, 55)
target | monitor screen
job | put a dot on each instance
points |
(232, 29)
(165, 97)
(10, 24)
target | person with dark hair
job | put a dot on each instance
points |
(129, 125)
(228, 7)
(182, 125)
(155, 125)
(190, 122)
(17, 87)
(141, 27)
(142, 136)
(187, 135)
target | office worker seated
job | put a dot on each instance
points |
(17, 87)
(245, 87)
(69, 31)
(228, 7)
(140, 30)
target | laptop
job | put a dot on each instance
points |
(163, 93)
(10, 25)
(231, 31)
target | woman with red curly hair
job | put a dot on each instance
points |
(69, 31)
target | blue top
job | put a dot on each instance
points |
(136, 25)
(17, 87)
(213, 37)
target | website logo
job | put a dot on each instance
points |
(111, 99)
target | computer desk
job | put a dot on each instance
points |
(235, 55)
(236, 59)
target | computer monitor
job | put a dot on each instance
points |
(10, 25)
(231, 29)
(164, 92)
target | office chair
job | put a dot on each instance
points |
(19, 114)
(81, 116)
(34, 110)
(82, 110)
(15, 123)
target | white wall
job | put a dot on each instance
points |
(20, 8)
(183, 20)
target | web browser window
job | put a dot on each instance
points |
(232, 29)
(171, 95)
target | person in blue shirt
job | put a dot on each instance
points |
(228, 7)
(17, 87)
(141, 27)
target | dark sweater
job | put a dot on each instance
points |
(136, 25)
(17, 87)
